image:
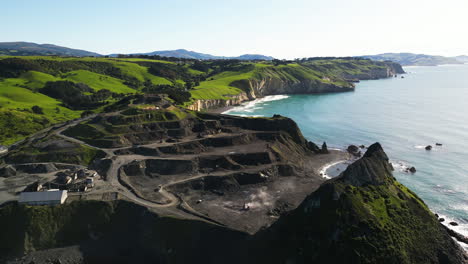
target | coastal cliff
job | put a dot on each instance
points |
(257, 88)
(309, 77)
(199, 105)
(363, 216)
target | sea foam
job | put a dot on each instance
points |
(251, 106)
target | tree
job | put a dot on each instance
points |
(86, 113)
(37, 110)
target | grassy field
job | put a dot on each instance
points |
(98, 81)
(19, 95)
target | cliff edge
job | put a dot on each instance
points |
(362, 216)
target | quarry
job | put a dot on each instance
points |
(242, 173)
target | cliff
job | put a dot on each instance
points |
(308, 77)
(199, 105)
(110, 232)
(363, 216)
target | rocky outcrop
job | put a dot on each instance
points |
(362, 216)
(372, 168)
(324, 149)
(233, 100)
(354, 150)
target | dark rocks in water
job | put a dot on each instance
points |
(402, 77)
(456, 235)
(453, 223)
(412, 170)
(436, 215)
(441, 220)
(354, 150)
(7, 171)
(428, 147)
(439, 144)
(324, 149)
(362, 146)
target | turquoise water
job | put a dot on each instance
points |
(429, 105)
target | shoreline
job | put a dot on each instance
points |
(327, 166)
(248, 103)
(223, 109)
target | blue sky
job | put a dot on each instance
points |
(283, 29)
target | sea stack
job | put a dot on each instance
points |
(324, 149)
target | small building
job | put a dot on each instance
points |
(51, 197)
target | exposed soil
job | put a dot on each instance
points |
(238, 172)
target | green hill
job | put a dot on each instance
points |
(38, 91)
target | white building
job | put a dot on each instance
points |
(52, 197)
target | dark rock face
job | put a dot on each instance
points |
(372, 168)
(324, 149)
(428, 147)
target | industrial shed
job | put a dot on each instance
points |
(54, 197)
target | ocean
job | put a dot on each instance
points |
(428, 106)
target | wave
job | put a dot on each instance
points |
(251, 106)
(334, 169)
(462, 227)
(400, 166)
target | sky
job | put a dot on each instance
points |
(283, 29)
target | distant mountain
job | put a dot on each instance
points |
(462, 58)
(29, 48)
(186, 54)
(407, 59)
